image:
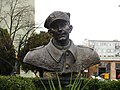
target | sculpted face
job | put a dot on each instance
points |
(60, 30)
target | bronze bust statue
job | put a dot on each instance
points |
(61, 54)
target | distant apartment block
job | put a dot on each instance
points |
(109, 53)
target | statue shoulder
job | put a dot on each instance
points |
(88, 56)
(87, 51)
(85, 47)
(33, 55)
(37, 48)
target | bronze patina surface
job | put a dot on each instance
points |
(61, 54)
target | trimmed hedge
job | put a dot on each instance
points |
(16, 83)
(20, 83)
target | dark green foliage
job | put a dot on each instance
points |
(110, 85)
(86, 84)
(93, 84)
(20, 83)
(37, 40)
(16, 83)
(34, 41)
(7, 53)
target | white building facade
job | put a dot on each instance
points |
(109, 53)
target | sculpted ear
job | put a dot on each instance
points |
(71, 27)
(50, 31)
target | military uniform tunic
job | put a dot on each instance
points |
(72, 58)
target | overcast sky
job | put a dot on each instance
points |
(91, 19)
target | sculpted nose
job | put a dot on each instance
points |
(60, 30)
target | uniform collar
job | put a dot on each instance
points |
(56, 53)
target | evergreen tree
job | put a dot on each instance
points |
(7, 53)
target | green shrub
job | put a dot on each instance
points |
(92, 84)
(20, 83)
(16, 83)
(110, 85)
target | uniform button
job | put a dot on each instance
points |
(67, 66)
(67, 53)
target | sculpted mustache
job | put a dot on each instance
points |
(58, 30)
(61, 32)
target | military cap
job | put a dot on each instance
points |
(56, 15)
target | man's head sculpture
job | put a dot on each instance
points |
(58, 24)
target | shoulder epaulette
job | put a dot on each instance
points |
(37, 48)
(82, 46)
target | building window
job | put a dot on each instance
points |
(109, 50)
(117, 65)
(112, 50)
(103, 64)
(104, 55)
(104, 50)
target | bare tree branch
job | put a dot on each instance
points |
(16, 17)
